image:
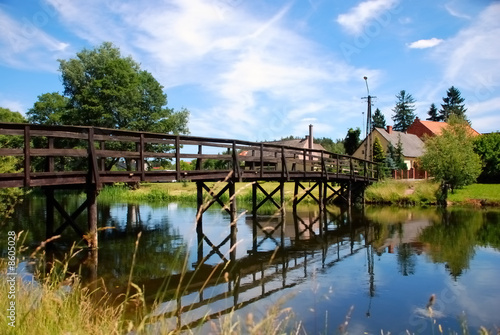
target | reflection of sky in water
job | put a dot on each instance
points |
(322, 292)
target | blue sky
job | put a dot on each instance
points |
(261, 70)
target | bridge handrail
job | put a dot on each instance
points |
(286, 160)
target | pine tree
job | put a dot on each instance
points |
(453, 105)
(433, 114)
(378, 151)
(378, 119)
(404, 111)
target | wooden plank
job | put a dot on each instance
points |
(11, 152)
(117, 154)
(55, 134)
(59, 152)
(27, 156)
(117, 138)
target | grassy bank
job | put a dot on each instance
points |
(186, 192)
(401, 192)
(411, 192)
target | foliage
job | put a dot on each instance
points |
(395, 158)
(378, 119)
(9, 197)
(403, 111)
(331, 146)
(352, 140)
(450, 157)
(49, 109)
(6, 115)
(453, 105)
(402, 192)
(433, 113)
(487, 146)
(378, 151)
(104, 89)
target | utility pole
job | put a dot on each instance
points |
(368, 138)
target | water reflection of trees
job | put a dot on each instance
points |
(161, 251)
(452, 240)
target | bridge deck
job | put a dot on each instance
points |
(72, 155)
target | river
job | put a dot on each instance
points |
(364, 269)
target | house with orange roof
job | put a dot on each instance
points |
(430, 128)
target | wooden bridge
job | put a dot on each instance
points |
(55, 157)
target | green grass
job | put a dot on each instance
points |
(402, 192)
(185, 192)
(484, 194)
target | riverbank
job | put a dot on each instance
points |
(395, 192)
(420, 192)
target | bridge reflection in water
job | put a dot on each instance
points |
(286, 249)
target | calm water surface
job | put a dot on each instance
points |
(374, 267)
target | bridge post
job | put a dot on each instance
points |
(92, 217)
(49, 207)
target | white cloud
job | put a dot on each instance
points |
(14, 106)
(451, 9)
(358, 17)
(424, 44)
(23, 44)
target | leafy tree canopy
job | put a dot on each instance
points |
(453, 105)
(378, 119)
(330, 145)
(352, 140)
(6, 115)
(102, 88)
(487, 146)
(404, 111)
(450, 157)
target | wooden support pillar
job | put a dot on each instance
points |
(233, 226)
(92, 217)
(49, 205)
(199, 220)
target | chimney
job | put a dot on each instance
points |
(389, 129)
(310, 136)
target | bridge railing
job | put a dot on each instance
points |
(50, 155)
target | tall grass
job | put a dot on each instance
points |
(186, 193)
(402, 192)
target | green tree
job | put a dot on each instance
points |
(453, 105)
(403, 111)
(330, 145)
(9, 197)
(433, 113)
(6, 115)
(352, 140)
(450, 157)
(378, 119)
(487, 146)
(104, 89)
(6, 141)
(49, 109)
(378, 151)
